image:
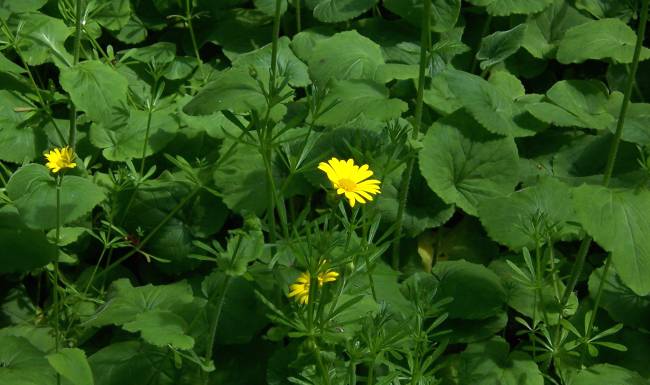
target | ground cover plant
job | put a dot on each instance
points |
(330, 192)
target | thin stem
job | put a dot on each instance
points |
(57, 315)
(72, 137)
(406, 179)
(599, 295)
(217, 316)
(627, 95)
(146, 140)
(274, 45)
(188, 18)
(298, 17)
(576, 271)
(319, 361)
(370, 380)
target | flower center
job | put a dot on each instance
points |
(347, 184)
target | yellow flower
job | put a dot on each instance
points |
(351, 180)
(60, 158)
(300, 289)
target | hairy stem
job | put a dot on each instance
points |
(406, 178)
(57, 315)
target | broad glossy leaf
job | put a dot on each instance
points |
(161, 328)
(477, 291)
(72, 364)
(24, 249)
(424, 210)
(96, 89)
(491, 363)
(33, 191)
(159, 53)
(635, 127)
(580, 103)
(607, 374)
(127, 302)
(352, 98)
(113, 14)
(126, 141)
(497, 111)
(23, 364)
(465, 164)
(22, 137)
(131, 363)
(518, 219)
(597, 40)
(608, 8)
(619, 220)
(444, 13)
(133, 32)
(621, 303)
(234, 89)
(346, 55)
(7, 7)
(268, 6)
(289, 66)
(41, 40)
(546, 29)
(500, 45)
(509, 7)
(334, 11)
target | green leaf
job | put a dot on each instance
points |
(635, 127)
(491, 363)
(580, 103)
(289, 66)
(133, 32)
(113, 14)
(608, 8)
(618, 220)
(509, 7)
(353, 98)
(96, 89)
(440, 98)
(24, 249)
(71, 364)
(158, 53)
(528, 216)
(22, 363)
(268, 6)
(607, 374)
(444, 13)
(597, 40)
(499, 46)
(334, 11)
(621, 303)
(465, 164)
(126, 301)
(125, 141)
(41, 40)
(346, 55)
(242, 315)
(33, 191)
(423, 210)
(131, 362)
(22, 137)
(477, 291)
(161, 328)
(497, 111)
(234, 89)
(7, 7)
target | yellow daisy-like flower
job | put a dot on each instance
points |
(60, 158)
(300, 289)
(351, 180)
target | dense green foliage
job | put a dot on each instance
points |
(194, 239)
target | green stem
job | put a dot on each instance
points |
(319, 361)
(599, 294)
(146, 140)
(406, 179)
(72, 138)
(215, 322)
(274, 46)
(188, 18)
(298, 17)
(57, 315)
(371, 374)
(627, 95)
